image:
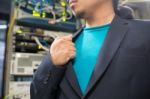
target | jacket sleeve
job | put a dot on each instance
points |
(46, 80)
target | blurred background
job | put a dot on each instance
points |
(27, 29)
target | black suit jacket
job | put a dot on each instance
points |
(122, 70)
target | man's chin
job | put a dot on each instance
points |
(79, 15)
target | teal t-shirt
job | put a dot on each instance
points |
(88, 44)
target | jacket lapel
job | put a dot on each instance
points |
(70, 73)
(115, 36)
(75, 35)
(71, 77)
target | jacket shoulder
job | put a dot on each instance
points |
(140, 24)
(139, 31)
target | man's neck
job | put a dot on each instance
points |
(103, 15)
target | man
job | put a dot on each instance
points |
(108, 59)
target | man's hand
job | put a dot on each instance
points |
(62, 50)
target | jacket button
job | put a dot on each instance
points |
(45, 81)
(48, 75)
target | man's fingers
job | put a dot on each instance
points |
(68, 43)
(69, 48)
